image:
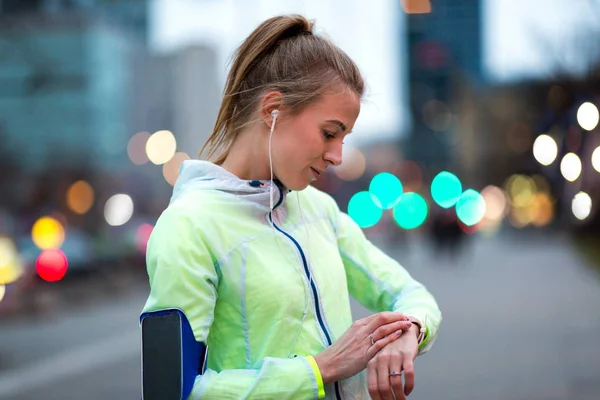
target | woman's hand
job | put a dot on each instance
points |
(398, 356)
(359, 344)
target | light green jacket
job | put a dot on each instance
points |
(264, 298)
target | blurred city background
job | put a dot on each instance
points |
(475, 163)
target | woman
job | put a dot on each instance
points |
(262, 264)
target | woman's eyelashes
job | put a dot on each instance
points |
(328, 135)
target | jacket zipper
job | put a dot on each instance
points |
(312, 284)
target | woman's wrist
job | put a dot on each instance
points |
(326, 370)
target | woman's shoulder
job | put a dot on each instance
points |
(198, 206)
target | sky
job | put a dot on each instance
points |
(367, 31)
(521, 38)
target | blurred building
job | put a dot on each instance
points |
(444, 48)
(65, 97)
(131, 14)
(194, 96)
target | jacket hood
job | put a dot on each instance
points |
(204, 175)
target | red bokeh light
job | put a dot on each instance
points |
(469, 230)
(141, 237)
(51, 265)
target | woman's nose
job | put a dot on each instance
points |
(334, 156)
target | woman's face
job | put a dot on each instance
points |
(306, 144)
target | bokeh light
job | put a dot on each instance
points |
(364, 208)
(581, 205)
(411, 211)
(541, 184)
(118, 209)
(161, 147)
(80, 197)
(446, 189)
(136, 148)
(541, 210)
(353, 165)
(570, 167)
(172, 167)
(2, 291)
(48, 233)
(596, 159)
(11, 267)
(387, 188)
(545, 149)
(519, 217)
(495, 203)
(51, 265)
(520, 190)
(416, 6)
(588, 116)
(470, 207)
(141, 237)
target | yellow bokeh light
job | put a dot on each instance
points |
(161, 147)
(541, 210)
(136, 148)
(541, 184)
(11, 266)
(80, 197)
(171, 168)
(353, 165)
(520, 217)
(48, 233)
(521, 190)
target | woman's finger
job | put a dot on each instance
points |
(372, 380)
(383, 376)
(381, 343)
(383, 318)
(396, 378)
(409, 376)
(385, 330)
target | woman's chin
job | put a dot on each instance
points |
(296, 184)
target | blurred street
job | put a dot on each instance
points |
(520, 322)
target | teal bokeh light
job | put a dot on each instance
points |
(364, 209)
(411, 211)
(387, 188)
(446, 189)
(470, 208)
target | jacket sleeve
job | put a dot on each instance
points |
(183, 274)
(380, 283)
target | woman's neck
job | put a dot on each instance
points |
(248, 157)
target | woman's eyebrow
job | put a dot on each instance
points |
(338, 123)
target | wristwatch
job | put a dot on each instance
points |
(422, 327)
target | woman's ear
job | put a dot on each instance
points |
(270, 102)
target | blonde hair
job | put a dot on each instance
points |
(281, 54)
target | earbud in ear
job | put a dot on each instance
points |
(274, 113)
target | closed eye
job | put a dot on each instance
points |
(328, 135)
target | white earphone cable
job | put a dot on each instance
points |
(276, 236)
